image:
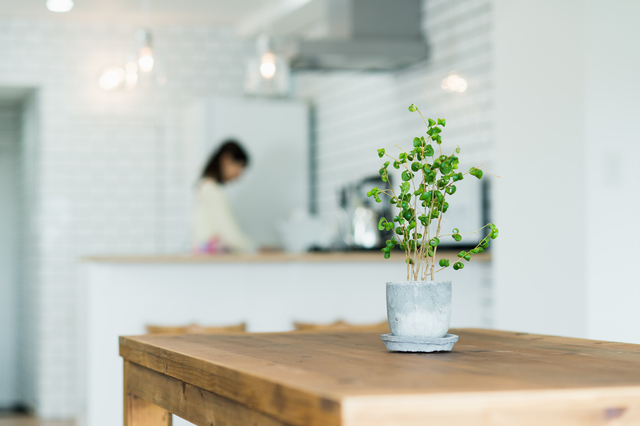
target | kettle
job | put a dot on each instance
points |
(362, 215)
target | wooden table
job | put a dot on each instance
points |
(349, 378)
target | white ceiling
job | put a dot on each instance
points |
(161, 12)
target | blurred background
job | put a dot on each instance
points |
(109, 110)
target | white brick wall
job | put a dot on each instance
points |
(359, 112)
(104, 170)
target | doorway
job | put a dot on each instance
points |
(11, 236)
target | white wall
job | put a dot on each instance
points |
(9, 252)
(540, 201)
(104, 170)
(612, 133)
(567, 103)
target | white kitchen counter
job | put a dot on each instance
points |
(120, 295)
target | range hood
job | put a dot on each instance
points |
(376, 35)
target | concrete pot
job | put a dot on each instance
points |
(419, 308)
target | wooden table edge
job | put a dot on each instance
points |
(327, 406)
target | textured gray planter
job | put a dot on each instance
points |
(419, 308)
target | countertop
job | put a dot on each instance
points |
(277, 257)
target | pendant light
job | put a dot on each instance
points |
(141, 66)
(60, 5)
(454, 83)
(267, 74)
(145, 55)
(111, 78)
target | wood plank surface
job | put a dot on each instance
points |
(192, 403)
(350, 378)
(333, 257)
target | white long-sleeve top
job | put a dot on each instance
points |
(214, 224)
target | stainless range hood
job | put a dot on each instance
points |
(377, 35)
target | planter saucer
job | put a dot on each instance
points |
(419, 344)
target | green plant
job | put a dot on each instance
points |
(428, 178)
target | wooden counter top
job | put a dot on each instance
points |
(278, 257)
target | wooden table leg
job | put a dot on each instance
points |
(140, 412)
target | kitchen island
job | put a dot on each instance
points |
(121, 295)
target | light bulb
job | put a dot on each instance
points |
(268, 65)
(59, 5)
(146, 59)
(111, 78)
(454, 83)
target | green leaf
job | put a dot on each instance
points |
(462, 254)
(444, 263)
(437, 130)
(381, 152)
(438, 139)
(458, 150)
(386, 164)
(476, 172)
(417, 142)
(458, 265)
(445, 207)
(407, 175)
(451, 190)
(494, 233)
(458, 176)
(415, 166)
(428, 151)
(434, 242)
(432, 122)
(442, 122)
(396, 164)
(405, 187)
(413, 108)
(381, 223)
(399, 230)
(457, 237)
(467, 257)
(387, 255)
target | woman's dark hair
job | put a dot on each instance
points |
(229, 147)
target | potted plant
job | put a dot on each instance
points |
(419, 309)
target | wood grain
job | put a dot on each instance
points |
(139, 411)
(191, 403)
(349, 378)
(195, 329)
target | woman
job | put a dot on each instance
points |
(215, 229)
